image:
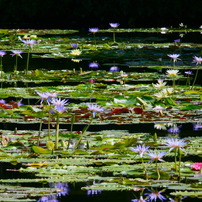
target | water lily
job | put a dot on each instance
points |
(59, 106)
(175, 143)
(16, 53)
(29, 42)
(141, 149)
(196, 166)
(93, 30)
(160, 126)
(155, 195)
(74, 45)
(2, 53)
(75, 52)
(114, 69)
(174, 57)
(160, 84)
(114, 25)
(94, 108)
(159, 109)
(198, 61)
(156, 157)
(93, 65)
(172, 72)
(138, 200)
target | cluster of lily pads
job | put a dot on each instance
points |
(61, 145)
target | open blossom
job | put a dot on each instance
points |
(160, 84)
(159, 109)
(172, 72)
(29, 42)
(74, 45)
(93, 30)
(93, 65)
(114, 69)
(17, 53)
(156, 157)
(197, 60)
(94, 108)
(196, 166)
(114, 25)
(174, 129)
(2, 53)
(59, 105)
(175, 143)
(138, 200)
(160, 126)
(175, 57)
(141, 149)
(75, 52)
(154, 195)
(46, 96)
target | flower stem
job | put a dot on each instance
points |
(114, 39)
(28, 57)
(179, 165)
(57, 131)
(157, 170)
(39, 133)
(195, 78)
(1, 67)
(82, 135)
(176, 160)
(16, 63)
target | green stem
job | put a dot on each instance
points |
(179, 165)
(82, 135)
(94, 39)
(71, 129)
(39, 133)
(176, 160)
(195, 78)
(1, 67)
(114, 39)
(16, 63)
(157, 170)
(28, 57)
(57, 131)
(144, 169)
(49, 118)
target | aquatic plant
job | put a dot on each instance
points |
(174, 57)
(114, 26)
(155, 195)
(28, 43)
(93, 65)
(2, 53)
(16, 53)
(156, 157)
(93, 30)
(59, 107)
(173, 73)
(176, 145)
(198, 61)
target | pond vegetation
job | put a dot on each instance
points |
(109, 111)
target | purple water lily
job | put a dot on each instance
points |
(141, 149)
(93, 65)
(114, 69)
(2, 53)
(93, 30)
(94, 108)
(59, 105)
(29, 42)
(17, 53)
(175, 143)
(114, 25)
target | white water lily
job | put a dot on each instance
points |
(172, 72)
(75, 52)
(160, 84)
(160, 126)
(161, 95)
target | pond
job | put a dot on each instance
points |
(104, 115)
